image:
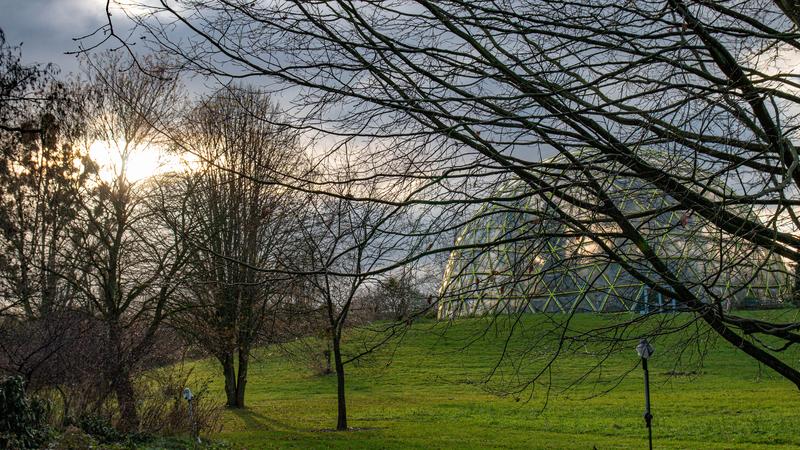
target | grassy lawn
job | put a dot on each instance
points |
(427, 393)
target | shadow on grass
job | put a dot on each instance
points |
(254, 420)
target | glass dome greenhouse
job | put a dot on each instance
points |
(519, 254)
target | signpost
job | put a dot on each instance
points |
(645, 350)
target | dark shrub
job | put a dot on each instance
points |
(99, 428)
(23, 421)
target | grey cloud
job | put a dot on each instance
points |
(47, 27)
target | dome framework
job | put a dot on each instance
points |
(540, 252)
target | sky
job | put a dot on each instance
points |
(46, 28)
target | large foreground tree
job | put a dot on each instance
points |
(449, 95)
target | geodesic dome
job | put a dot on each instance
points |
(519, 254)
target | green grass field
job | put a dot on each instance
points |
(430, 396)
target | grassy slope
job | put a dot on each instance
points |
(422, 400)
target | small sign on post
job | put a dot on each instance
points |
(189, 397)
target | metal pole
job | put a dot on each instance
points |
(648, 418)
(191, 420)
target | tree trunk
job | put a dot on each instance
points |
(341, 418)
(244, 359)
(229, 371)
(65, 413)
(235, 380)
(120, 379)
(126, 398)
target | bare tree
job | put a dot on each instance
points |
(397, 297)
(339, 245)
(464, 91)
(237, 223)
(129, 262)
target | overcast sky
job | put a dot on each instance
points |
(46, 27)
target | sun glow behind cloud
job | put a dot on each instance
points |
(137, 163)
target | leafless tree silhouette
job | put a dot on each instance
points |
(447, 97)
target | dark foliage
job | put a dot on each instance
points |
(22, 419)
